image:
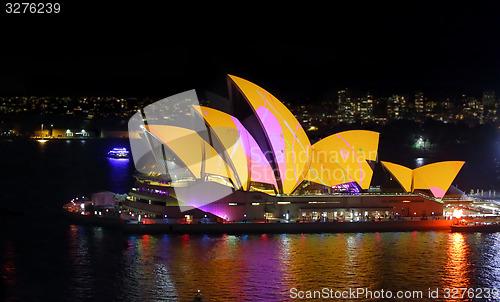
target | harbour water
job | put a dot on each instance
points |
(94, 264)
(45, 258)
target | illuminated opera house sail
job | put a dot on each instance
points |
(256, 162)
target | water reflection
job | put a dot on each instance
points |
(457, 266)
(266, 267)
(8, 273)
(489, 272)
(81, 276)
(419, 162)
(120, 170)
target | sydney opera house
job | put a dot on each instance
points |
(255, 162)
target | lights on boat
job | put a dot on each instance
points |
(118, 153)
(458, 213)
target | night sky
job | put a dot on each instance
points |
(444, 49)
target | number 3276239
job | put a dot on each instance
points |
(32, 8)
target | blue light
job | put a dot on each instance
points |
(118, 153)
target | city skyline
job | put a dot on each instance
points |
(24, 115)
(415, 103)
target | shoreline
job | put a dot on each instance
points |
(263, 228)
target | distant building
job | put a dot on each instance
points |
(348, 108)
(41, 133)
(366, 106)
(419, 102)
(62, 133)
(489, 98)
(489, 107)
(471, 109)
(397, 106)
(71, 133)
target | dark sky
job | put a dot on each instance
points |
(141, 49)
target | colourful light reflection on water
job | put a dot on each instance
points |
(120, 169)
(8, 269)
(457, 266)
(115, 266)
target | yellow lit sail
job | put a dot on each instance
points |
(436, 177)
(325, 170)
(198, 156)
(349, 151)
(223, 128)
(363, 142)
(402, 174)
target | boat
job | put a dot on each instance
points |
(100, 210)
(476, 227)
(118, 153)
(198, 296)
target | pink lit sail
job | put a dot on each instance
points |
(437, 192)
(260, 170)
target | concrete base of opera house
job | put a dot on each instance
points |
(263, 228)
(291, 228)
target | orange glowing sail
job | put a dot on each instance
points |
(402, 174)
(436, 177)
(342, 157)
